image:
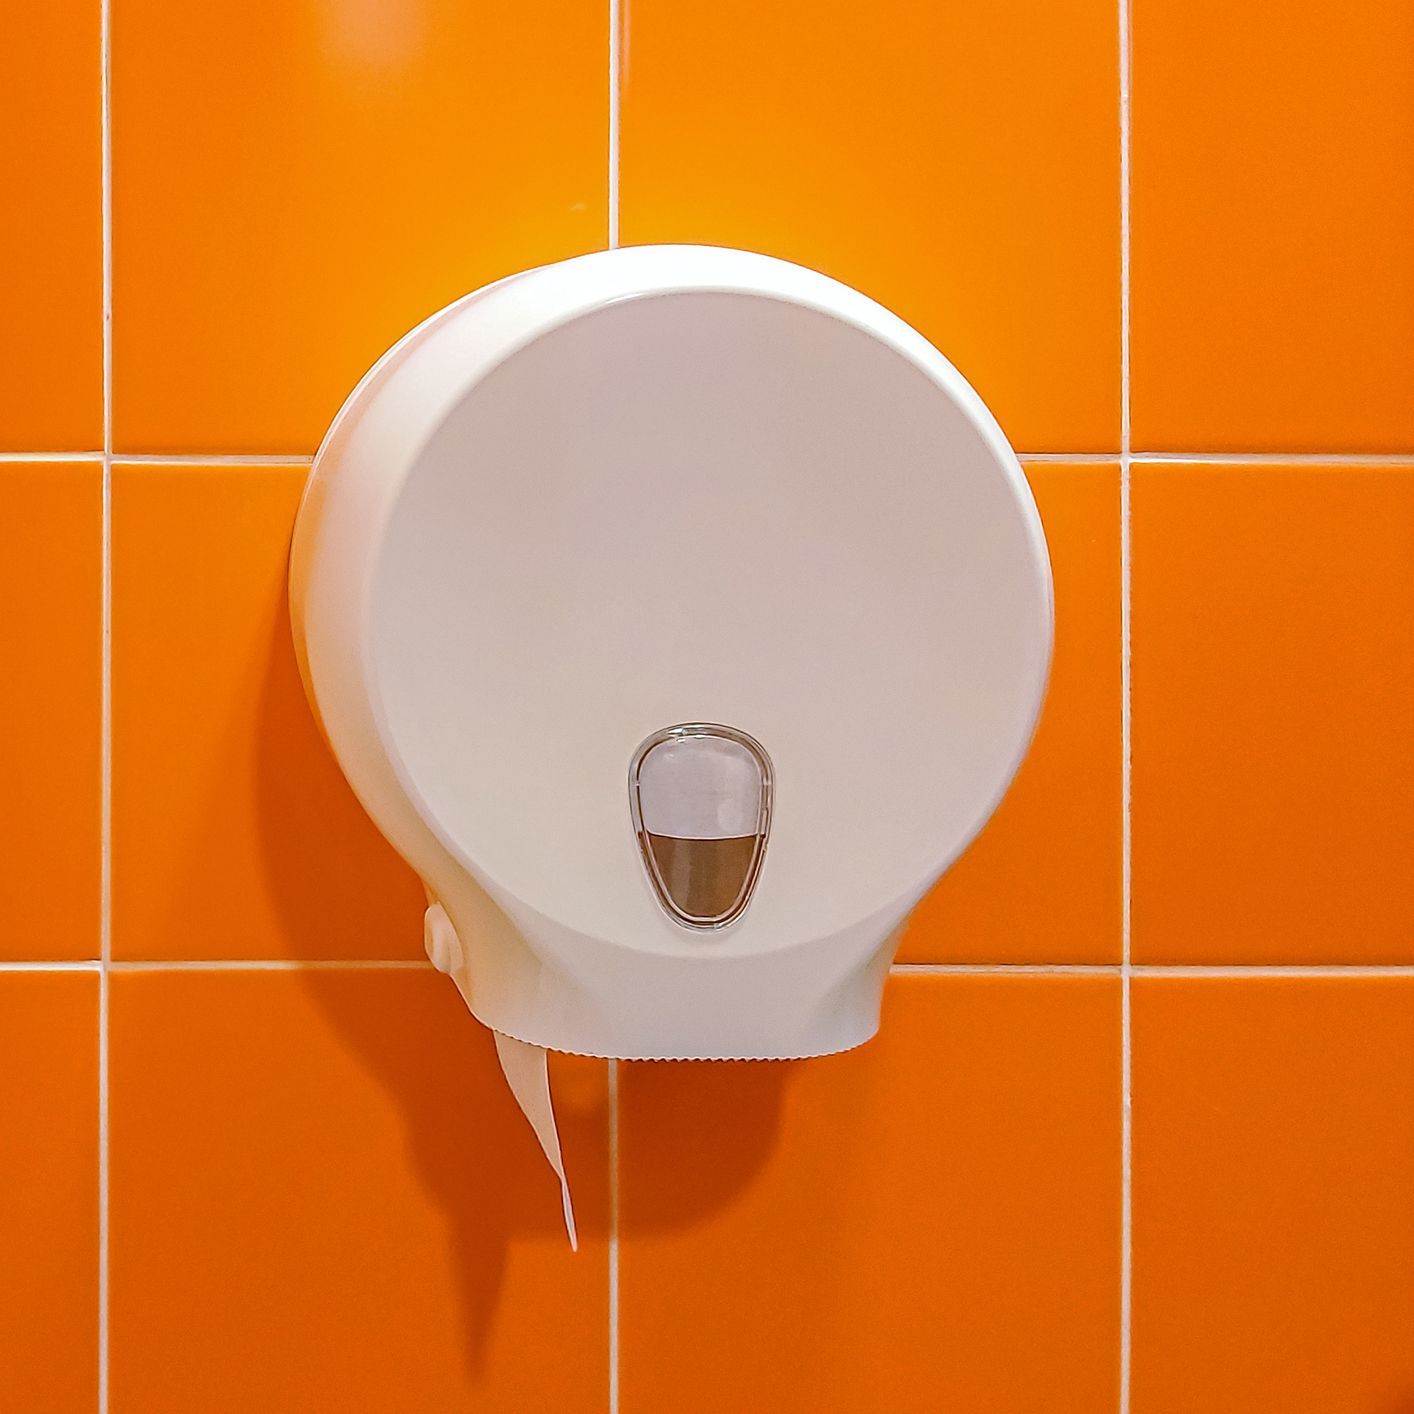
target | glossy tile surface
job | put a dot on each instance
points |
(959, 164)
(1273, 1166)
(320, 1195)
(51, 585)
(49, 1192)
(296, 185)
(234, 832)
(1273, 741)
(1042, 881)
(325, 1198)
(51, 252)
(930, 1222)
(1273, 196)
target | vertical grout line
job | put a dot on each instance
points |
(612, 177)
(1125, 124)
(613, 174)
(1126, 1234)
(613, 1237)
(105, 885)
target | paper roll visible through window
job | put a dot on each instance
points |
(701, 800)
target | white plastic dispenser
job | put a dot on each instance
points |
(679, 614)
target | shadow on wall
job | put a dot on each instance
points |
(707, 1128)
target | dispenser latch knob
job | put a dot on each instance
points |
(444, 948)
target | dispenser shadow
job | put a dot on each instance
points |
(694, 1134)
(692, 1137)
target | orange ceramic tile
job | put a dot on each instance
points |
(324, 1197)
(930, 1222)
(958, 163)
(298, 183)
(1042, 881)
(1273, 741)
(51, 646)
(51, 240)
(1272, 271)
(234, 833)
(1273, 1167)
(49, 1192)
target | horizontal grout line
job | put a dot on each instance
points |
(902, 969)
(1163, 969)
(944, 969)
(1041, 458)
(1239, 970)
(279, 964)
(1071, 458)
(1276, 458)
(21, 457)
(1140, 969)
(242, 964)
(88, 965)
(146, 459)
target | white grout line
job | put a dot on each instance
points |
(613, 1237)
(615, 19)
(1069, 459)
(86, 965)
(21, 457)
(215, 459)
(1397, 459)
(1126, 1017)
(615, 100)
(279, 964)
(105, 885)
(103, 1183)
(985, 969)
(1241, 970)
(1233, 971)
(1126, 1220)
(1275, 458)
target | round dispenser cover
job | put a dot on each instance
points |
(686, 485)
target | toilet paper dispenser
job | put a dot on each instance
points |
(679, 614)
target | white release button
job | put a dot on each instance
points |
(444, 948)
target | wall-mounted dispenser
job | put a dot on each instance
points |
(679, 614)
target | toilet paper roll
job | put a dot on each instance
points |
(527, 1072)
(525, 1067)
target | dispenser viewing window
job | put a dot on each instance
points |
(701, 801)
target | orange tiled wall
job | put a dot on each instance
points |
(1138, 1133)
